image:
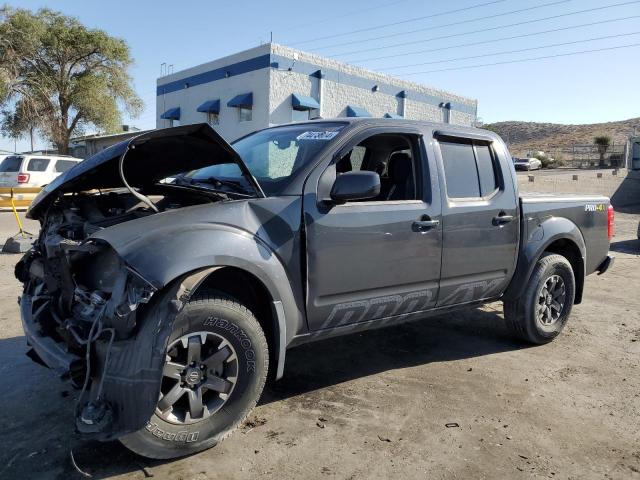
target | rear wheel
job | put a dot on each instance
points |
(541, 313)
(215, 370)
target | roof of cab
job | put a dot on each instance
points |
(442, 128)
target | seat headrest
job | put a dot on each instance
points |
(344, 164)
(400, 166)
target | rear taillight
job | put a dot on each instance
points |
(610, 215)
(23, 178)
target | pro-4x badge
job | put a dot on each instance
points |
(595, 207)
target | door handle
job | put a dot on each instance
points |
(502, 218)
(424, 225)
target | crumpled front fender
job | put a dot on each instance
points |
(164, 254)
(132, 379)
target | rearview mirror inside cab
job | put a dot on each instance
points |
(358, 185)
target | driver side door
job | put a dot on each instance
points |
(372, 260)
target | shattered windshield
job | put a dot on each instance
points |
(273, 157)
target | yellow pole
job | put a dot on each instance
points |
(15, 212)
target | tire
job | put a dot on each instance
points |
(229, 330)
(526, 316)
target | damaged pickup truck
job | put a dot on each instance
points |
(173, 271)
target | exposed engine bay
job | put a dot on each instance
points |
(87, 313)
(80, 292)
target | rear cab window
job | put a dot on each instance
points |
(11, 163)
(469, 167)
(62, 166)
(37, 164)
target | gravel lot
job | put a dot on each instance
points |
(377, 405)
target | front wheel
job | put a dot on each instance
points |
(541, 313)
(215, 370)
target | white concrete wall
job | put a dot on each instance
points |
(282, 85)
(189, 99)
(336, 97)
(376, 100)
(272, 89)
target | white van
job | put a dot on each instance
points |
(33, 170)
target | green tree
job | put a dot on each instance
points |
(21, 121)
(59, 77)
(602, 142)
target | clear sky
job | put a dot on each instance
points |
(591, 87)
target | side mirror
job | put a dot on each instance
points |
(358, 185)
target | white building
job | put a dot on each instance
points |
(272, 84)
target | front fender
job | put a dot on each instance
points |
(539, 238)
(166, 253)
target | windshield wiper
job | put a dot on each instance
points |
(217, 182)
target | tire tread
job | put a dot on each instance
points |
(138, 445)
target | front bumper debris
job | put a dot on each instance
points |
(129, 369)
(46, 350)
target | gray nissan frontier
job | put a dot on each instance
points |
(173, 271)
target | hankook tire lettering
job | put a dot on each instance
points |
(240, 335)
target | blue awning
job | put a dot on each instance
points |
(171, 114)
(357, 112)
(300, 102)
(243, 100)
(212, 106)
(392, 115)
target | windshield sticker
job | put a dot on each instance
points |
(316, 135)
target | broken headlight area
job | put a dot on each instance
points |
(80, 302)
(81, 289)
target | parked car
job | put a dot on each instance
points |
(168, 303)
(33, 170)
(527, 163)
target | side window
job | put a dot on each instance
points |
(37, 164)
(392, 157)
(461, 174)
(357, 157)
(486, 169)
(213, 118)
(63, 165)
(469, 168)
(300, 115)
(245, 114)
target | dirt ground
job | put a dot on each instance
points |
(449, 397)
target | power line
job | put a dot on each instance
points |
(461, 22)
(581, 52)
(346, 14)
(515, 51)
(401, 22)
(483, 42)
(526, 22)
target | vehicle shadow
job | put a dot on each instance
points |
(38, 445)
(626, 246)
(458, 335)
(625, 198)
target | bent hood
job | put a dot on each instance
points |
(149, 157)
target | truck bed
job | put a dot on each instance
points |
(587, 212)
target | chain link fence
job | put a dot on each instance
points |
(581, 156)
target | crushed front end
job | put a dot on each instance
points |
(81, 315)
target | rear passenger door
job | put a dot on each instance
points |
(480, 218)
(62, 166)
(38, 171)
